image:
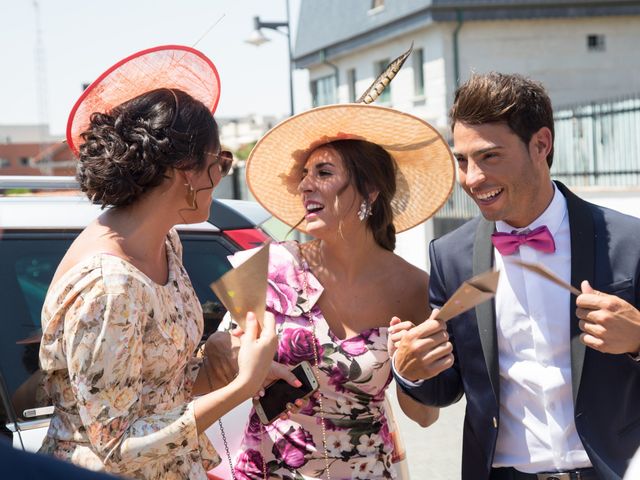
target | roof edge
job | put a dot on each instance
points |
(426, 14)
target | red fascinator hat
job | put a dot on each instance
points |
(169, 66)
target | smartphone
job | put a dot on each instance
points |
(279, 393)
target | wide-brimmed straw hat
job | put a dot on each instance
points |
(169, 66)
(425, 163)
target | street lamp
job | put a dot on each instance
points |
(257, 38)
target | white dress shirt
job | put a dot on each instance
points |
(537, 430)
(633, 472)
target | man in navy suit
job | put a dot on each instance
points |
(552, 382)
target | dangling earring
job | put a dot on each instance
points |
(365, 210)
(191, 195)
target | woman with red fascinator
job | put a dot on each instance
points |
(121, 321)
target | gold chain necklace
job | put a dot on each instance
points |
(316, 358)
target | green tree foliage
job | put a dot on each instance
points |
(243, 152)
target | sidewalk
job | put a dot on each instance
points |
(433, 453)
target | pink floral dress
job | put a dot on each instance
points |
(354, 374)
(117, 354)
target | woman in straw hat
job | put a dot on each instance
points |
(121, 321)
(352, 176)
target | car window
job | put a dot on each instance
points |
(205, 258)
(27, 264)
(280, 231)
(28, 261)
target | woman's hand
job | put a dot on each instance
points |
(397, 329)
(221, 350)
(256, 352)
(279, 371)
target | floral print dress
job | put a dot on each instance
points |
(354, 374)
(117, 354)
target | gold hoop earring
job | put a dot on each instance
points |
(191, 195)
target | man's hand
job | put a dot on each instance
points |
(610, 324)
(424, 351)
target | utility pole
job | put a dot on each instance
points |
(41, 90)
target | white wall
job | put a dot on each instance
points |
(412, 245)
(625, 200)
(554, 52)
(432, 106)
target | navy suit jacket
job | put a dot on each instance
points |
(605, 249)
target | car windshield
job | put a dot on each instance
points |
(28, 262)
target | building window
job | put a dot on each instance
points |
(595, 43)
(418, 72)
(351, 79)
(377, 6)
(4, 163)
(323, 91)
(385, 96)
(24, 161)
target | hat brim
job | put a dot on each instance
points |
(167, 66)
(426, 171)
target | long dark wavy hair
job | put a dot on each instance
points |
(371, 168)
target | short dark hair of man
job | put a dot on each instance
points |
(521, 103)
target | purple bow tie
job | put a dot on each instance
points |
(539, 238)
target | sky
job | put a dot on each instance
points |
(82, 38)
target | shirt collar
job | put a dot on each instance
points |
(552, 217)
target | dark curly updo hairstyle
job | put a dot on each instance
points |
(127, 151)
(371, 168)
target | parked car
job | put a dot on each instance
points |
(38, 222)
(39, 218)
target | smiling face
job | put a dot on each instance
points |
(507, 179)
(330, 201)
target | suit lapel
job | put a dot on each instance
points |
(582, 268)
(485, 312)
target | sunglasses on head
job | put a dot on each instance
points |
(225, 160)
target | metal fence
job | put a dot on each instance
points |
(596, 144)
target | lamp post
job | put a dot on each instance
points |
(257, 38)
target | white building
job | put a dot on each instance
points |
(581, 50)
(27, 133)
(238, 132)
